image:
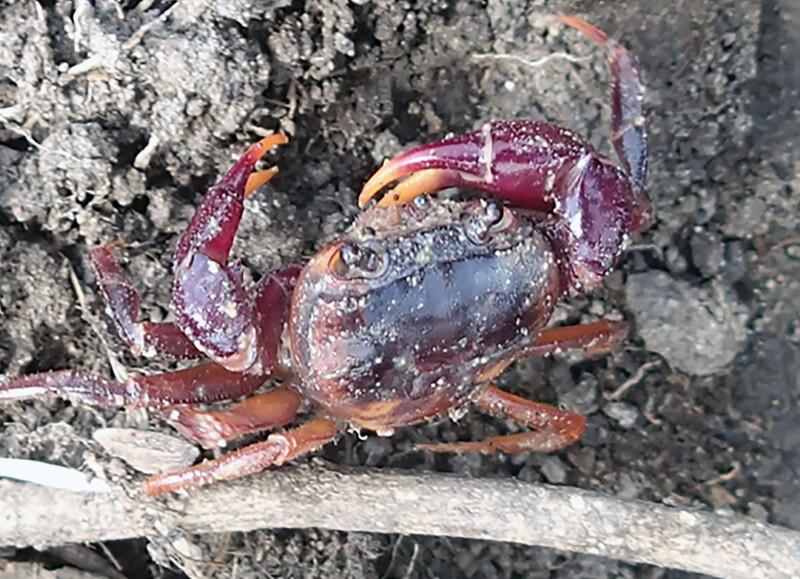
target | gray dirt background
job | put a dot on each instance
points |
(115, 116)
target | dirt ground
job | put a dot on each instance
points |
(115, 116)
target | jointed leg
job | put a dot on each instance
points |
(206, 382)
(276, 450)
(259, 412)
(146, 339)
(553, 429)
(594, 338)
(627, 99)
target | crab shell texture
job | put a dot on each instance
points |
(416, 307)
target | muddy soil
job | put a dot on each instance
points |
(115, 116)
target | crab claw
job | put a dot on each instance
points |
(533, 164)
(212, 228)
(211, 304)
(519, 161)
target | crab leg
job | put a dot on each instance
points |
(627, 96)
(275, 451)
(595, 338)
(553, 429)
(208, 296)
(205, 382)
(146, 339)
(256, 413)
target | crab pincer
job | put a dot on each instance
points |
(589, 205)
(209, 298)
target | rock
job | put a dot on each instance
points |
(582, 397)
(583, 459)
(626, 487)
(758, 512)
(721, 497)
(147, 451)
(708, 253)
(554, 469)
(697, 330)
(623, 413)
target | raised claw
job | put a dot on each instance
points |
(213, 226)
(212, 306)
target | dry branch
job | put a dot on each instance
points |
(391, 502)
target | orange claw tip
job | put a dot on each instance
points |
(257, 179)
(419, 183)
(416, 182)
(382, 177)
(259, 149)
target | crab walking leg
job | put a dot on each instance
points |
(146, 339)
(627, 97)
(259, 412)
(205, 382)
(553, 429)
(271, 298)
(276, 450)
(595, 338)
(209, 299)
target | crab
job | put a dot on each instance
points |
(410, 315)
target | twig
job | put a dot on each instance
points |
(530, 63)
(389, 502)
(632, 381)
(726, 476)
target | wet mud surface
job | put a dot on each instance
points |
(115, 117)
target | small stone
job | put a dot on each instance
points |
(708, 253)
(675, 260)
(581, 398)
(626, 487)
(735, 262)
(195, 107)
(623, 413)
(147, 451)
(583, 459)
(721, 497)
(697, 330)
(748, 220)
(757, 512)
(529, 474)
(554, 469)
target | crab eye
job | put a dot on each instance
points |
(492, 213)
(358, 261)
(486, 218)
(421, 202)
